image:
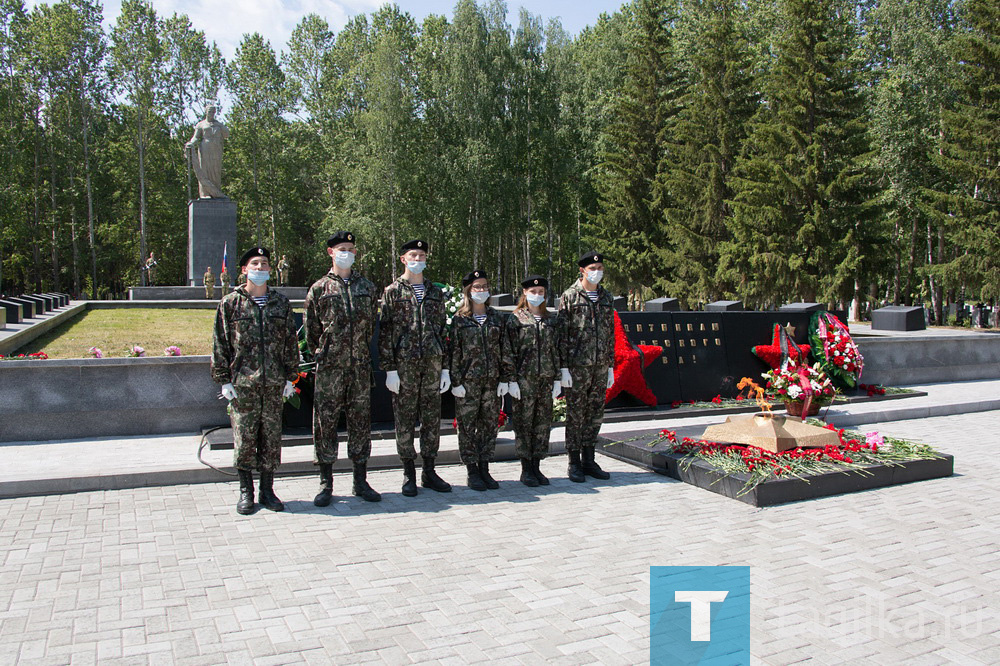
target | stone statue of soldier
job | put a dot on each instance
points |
(206, 154)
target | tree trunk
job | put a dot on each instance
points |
(90, 205)
(142, 198)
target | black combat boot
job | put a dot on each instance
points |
(409, 478)
(268, 499)
(536, 467)
(325, 485)
(484, 472)
(361, 487)
(528, 473)
(475, 480)
(245, 506)
(430, 479)
(575, 471)
(590, 466)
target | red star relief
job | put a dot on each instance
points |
(771, 354)
(630, 360)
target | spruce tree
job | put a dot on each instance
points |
(970, 201)
(628, 225)
(711, 126)
(803, 205)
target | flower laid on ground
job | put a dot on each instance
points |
(135, 351)
(795, 382)
(853, 453)
(872, 389)
(717, 399)
(36, 356)
(95, 352)
(172, 350)
(502, 419)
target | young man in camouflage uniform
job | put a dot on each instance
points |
(341, 308)
(412, 343)
(255, 356)
(589, 353)
(476, 346)
(209, 280)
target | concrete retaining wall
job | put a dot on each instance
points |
(78, 398)
(899, 361)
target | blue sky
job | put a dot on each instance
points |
(225, 22)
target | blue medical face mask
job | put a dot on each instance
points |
(416, 267)
(480, 296)
(258, 277)
(343, 259)
(535, 299)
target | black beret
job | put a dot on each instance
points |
(413, 245)
(534, 281)
(590, 258)
(340, 237)
(472, 277)
(255, 252)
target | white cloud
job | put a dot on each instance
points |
(225, 23)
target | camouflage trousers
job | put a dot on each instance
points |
(256, 418)
(478, 415)
(209, 290)
(532, 417)
(419, 399)
(585, 406)
(342, 389)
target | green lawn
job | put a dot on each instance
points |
(113, 331)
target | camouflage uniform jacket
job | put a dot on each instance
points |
(476, 351)
(254, 346)
(340, 318)
(590, 328)
(532, 347)
(409, 330)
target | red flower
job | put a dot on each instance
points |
(717, 400)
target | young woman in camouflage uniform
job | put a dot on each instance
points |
(532, 365)
(255, 356)
(476, 352)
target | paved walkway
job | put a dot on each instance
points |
(558, 574)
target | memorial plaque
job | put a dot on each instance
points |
(653, 328)
(502, 300)
(27, 307)
(48, 303)
(663, 305)
(702, 366)
(13, 310)
(211, 230)
(898, 318)
(41, 305)
(724, 306)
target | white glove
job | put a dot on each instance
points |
(567, 379)
(392, 381)
(228, 392)
(458, 391)
(556, 389)
(445, 381)
(514, 390)
(289, 390)
(611, 377)
(501, 389)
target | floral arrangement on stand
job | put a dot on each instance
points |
(833, 346)
(854, 452)
(793, 382)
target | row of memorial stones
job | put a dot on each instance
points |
(16, 309)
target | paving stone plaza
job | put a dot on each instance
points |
(171, 575)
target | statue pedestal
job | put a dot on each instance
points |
(211, 226)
